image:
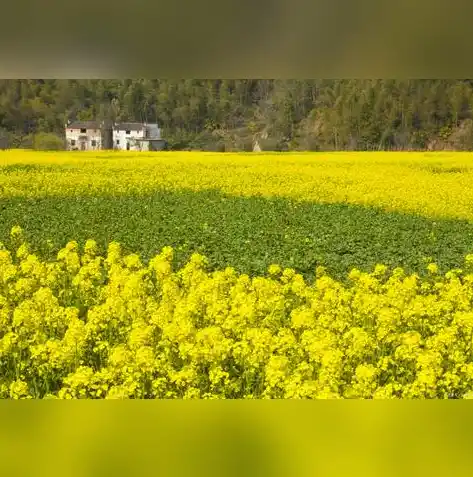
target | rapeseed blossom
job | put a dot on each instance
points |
(416, 182)
(111, 327)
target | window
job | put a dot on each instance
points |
(128, 132)
(94, 142)
(118, 142)
(83, 130)
(73, 142)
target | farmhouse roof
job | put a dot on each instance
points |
(129, 126)
(86, 125)
(126, 126)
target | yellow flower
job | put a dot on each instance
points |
(432, 268)
(274, 270)
(19, 390)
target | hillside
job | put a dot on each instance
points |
(228, 115)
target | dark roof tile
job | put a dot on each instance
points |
(84, 125)
(129, 126)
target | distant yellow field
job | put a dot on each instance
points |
(432, 185)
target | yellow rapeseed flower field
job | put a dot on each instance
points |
(92, 326)
(430, 184)
(86, 324)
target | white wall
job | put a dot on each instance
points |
(76, 135)
(123, 139)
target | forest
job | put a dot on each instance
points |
(231, 115)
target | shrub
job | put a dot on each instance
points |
(48, 142)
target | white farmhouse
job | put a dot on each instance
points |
(136, 137)
(89, 136)
(84, 136)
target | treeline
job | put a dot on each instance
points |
(241, 114)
